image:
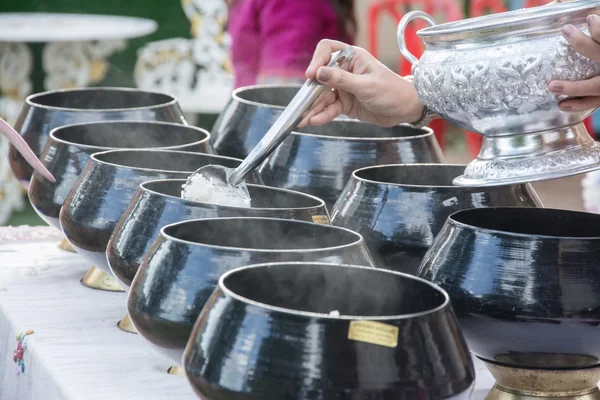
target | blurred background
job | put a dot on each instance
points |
(188, 55)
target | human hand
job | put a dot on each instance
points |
(368, 91)
(583, 95)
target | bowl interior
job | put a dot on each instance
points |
(262, 196)
(163, 160)
(270, 96)
(413, 174)
(532, 221)
(101, 99)
(359, 130)
(321, 288)
(129, 135)
(262, 234)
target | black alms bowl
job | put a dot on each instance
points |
(399, 209)
(106, 186)
(45, 111)
(320, 160)
(248, 116)
(159, 203)
(267, 333)
(184, 264)
(69, 148)
(524, 282)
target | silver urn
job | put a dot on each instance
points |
(490, 75)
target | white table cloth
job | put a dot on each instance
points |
(76, 351)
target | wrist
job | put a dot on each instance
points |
(412, 108)
(416, 114)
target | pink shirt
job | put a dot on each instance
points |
(275, 39)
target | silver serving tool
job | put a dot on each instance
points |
(308, 94)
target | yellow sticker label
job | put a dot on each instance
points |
(374, 333)
(320, 219)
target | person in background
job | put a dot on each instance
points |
(273, 40)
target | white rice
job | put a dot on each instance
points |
(212, 191)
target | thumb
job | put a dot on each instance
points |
(335, 78)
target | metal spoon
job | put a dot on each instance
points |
(23, 148)
(308, 94)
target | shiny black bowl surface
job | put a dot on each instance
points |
(399, 209)
(184, 264)
(106, 186)
(69, 148)
(525, 284)
(320, 160)
(158, 203)
(45, 111)
(248, 116)
(267, 332)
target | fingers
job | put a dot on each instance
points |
(23, 148)
(343, 80)
(585, 45)
(325, 100)
(588, 47)
(322, 55)
(328, 114)
(584, 104)
(593, 21)
(589, 87)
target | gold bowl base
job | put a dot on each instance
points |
(537, 384)
(99, 280)
(175, 370)
(126, 326)
(65, 245)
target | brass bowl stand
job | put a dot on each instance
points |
(175, 370)
(97, 279)
(538, 384)
(64, 245)
(94, 278)
(126, 326)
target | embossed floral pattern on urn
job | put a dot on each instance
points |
(490, 75)
(497, 89)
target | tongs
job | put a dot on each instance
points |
(289, 119)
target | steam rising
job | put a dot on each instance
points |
(163, 160)
(321, 288)
(358, 129)
(102, 99)
(131, 135)
(258, 234)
